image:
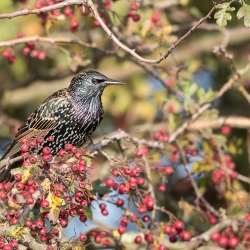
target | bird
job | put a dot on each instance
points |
(70, 115)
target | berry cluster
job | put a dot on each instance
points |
(45, 16)
(161, 135)
(176, 231)
(8, 244)
(100, 237)
(219, 175)
(132, 13)
(225, 239)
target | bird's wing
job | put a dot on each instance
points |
(40, 122)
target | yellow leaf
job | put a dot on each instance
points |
(47, 186)
(201, 166)
(55, 202)
(48, 24)
(116, 234)
(146, 28)
(78, 247)
(14, 205)
(20, 231)
(186, 207)
(89, 187)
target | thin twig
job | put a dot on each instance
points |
(193, 182)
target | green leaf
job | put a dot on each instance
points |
(222, 15)
(244, 11)
(97, 188)
(88, 212)
(34, 216)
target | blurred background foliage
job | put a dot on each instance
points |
(26, 83)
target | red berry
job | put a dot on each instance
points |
(24, 140)
(25, 147)
(6, 53)
(46, 150)
(96, 23)
(186, 236)
(28, 223)
(83, 218)
(47, 158)
(179, 225)
(105, 212)
(39, 223)
(50, 138)
(45, 204)
(20, 186)
(74, 167)
(115, 173)
(78, 155)
(145, 218)
(32, 159)
(233, 242)
(40, 139)
(212, 220)
(62, 152)
(167, 229)
(34, 53)
(63, 223)
(11, 59)
(172, 238)
(30, 200)
(138, 239)
(26, 50)
(2, 242)
(136, 17)
(31, 45)
(74, 24)
(226, 130)
(139, 153)
(68, 147)
(25, 164)
(131, 13)
(119, 203)
(140, 181)
(215, 236)
(41, 55)
(134, 6)
(155, 17)
(109, 182)
(134, 218)
(82, 237)
(102, 206)
(7, 247)
(42, 231)
(162, 247)
(168, 170)
(18, 177)
(121, 229)
(148, 238)
(124, 221)
(223, 241)
(98, 239)
(67, 11)
(161, 187)
(72, 212)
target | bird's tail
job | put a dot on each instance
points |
(5, 168)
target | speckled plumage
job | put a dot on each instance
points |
(70, 115)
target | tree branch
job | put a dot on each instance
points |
(43, 9)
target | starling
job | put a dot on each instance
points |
(70, 115)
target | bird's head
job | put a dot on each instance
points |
(91, 83)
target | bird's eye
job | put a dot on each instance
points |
(96, 81)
